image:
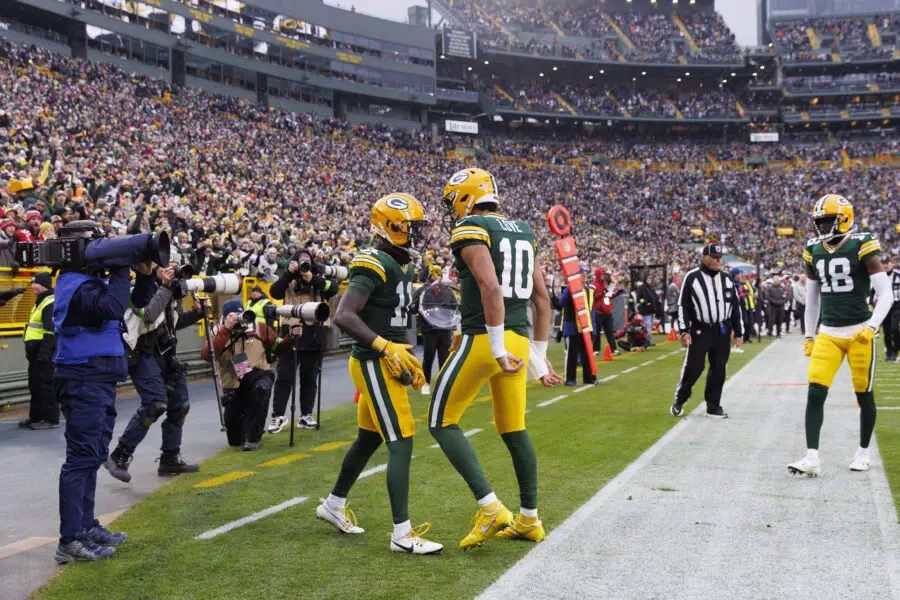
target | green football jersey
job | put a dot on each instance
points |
(512, 247)
(843, 278)
(388, 286)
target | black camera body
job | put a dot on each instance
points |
(320, 270)
(72, 251)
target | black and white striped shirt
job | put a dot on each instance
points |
(708, 298)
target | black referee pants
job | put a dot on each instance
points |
(709, 343)
(436, 341)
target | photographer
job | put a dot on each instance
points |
(158, 377)
(303, 282)
(245, 374)
(436, 339)
(89, 361)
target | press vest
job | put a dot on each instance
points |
(76, 344)
(257, 307)
(34, 330)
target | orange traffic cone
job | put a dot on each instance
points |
(607, 354)
(356, 397)
(672, 336)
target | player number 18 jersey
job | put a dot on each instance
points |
(512, 247)
(387, 286)
(843, 278)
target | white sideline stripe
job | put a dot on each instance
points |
(570, 526)
(649, 362)
(552, 400)
(673, 353)
(378, 469)
(629, 370)
(208, 535)
(469, 433)
(582, 388)
(610, 378)
(889, 408)
(662, 358)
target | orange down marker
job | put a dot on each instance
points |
(561, 224)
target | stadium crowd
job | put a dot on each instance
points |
(847, 36)
(241, 187)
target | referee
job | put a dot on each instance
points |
(709, 319)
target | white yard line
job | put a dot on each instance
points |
(629, 370)
(208, 535)
(609, 378)
(552, 400)
(582, 388)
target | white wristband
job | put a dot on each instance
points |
(537, 359)
(495, 336)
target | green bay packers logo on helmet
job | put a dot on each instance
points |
(397, 202)
(465, 190)
(399, 219)
(832, 217)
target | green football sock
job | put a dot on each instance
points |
(399, 457)
(867, 415)
(525, 463)
(815, 413)
(362, 449)
(461, 455)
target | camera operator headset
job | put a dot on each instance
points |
(158, 376)
(241, 353)
(89, 361)
(304, 281)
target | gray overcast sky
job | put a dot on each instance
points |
(739, 14)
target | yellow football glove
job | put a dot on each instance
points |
(808, 346)
(864, 336)
(397, 357)
(418, 379)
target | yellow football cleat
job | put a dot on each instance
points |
(524, 528)
(487, 522)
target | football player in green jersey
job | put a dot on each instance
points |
(373, 311)
(498, 278)
(841, 264)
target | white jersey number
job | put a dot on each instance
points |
(835, 274)
(404, 294)
(518, 268)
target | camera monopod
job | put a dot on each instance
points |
(207, 329)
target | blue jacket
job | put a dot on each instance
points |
(87, 319)
(570, 324)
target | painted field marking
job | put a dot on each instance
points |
(889, 408)
(482, 399)
(629, 370)
(609, 378)
(581, 389)
(283, 460)
(552, 400)
(647, 364)
(472, 432)
(331, 446)
(226, 478)
(208, 535)
(24, 545)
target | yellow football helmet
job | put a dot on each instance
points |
(400, 220)
(832, 217)
(465, 190)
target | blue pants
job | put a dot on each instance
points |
(149, 378)
(90, 411)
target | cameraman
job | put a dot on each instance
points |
(89, 361)
(245, 375)
(302, 282)
(158, 377)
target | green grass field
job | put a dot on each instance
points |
(582, 442)
(887, 428)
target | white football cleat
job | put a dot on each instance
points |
(344, 521)
(426, 390)
(811, 467)
(413, 543)
(861, 460)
